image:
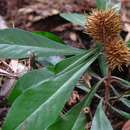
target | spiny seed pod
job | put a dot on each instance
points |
(102, 25)
(117, 53)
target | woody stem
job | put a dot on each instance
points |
(107, 88)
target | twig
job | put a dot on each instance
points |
(5, 73)
(107, 89)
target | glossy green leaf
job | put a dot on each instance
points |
(78, 19)
(37, 104)
(125, 102)
(49, 36)
(30, 79)
(103, 65)
(101, 4)
(128, 43)
(100, 120)
(80, 122)
(65, 122)
(71, 62)
(125, 83)
(122, 113)
(86, 89)
(75, 119)
(66, 62)
(15, 43)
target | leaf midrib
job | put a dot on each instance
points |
(50, 98)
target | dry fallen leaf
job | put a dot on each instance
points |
(18, 68)
(126, 126)
(125, 17)
(3, 24)
(74, 98)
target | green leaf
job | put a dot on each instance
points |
(66, 62)
(121, 98)
(78, 19)
(65, 122)
(117, 6)
(101, 4)
(125, 83)
(71, 62)
(49, 36)
(75, 119)
(86, 89)
(15, 43)
(103, 65)
(122, 113)
(28, 80)
(34, 107)
(100, 121)
(125, 102)
(114, 4)
(80, 122)
(128, 43)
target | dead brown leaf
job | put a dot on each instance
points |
(126, 126)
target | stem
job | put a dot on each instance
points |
(107, 88)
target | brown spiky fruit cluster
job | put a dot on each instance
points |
(104, 26)
(117, 53)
